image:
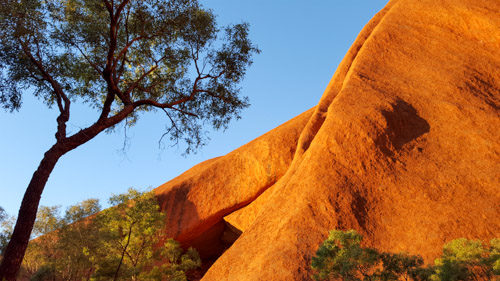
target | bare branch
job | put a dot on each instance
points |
(125, 136)
(134, 85)
(56, 87)
(113, 27)
(171, 104)
(123, 52)
(195, 56)
(163, 106)
(184, 112)
(171, 120)
(109, 70)
(118, 74)
(214, 95)
(168, 131)
(95, 66)
(212, 76)
(149, 89)
(90, 132)
(120, 9)
(108, 6)
(106, 108)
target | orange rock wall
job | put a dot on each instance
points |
(403, 147)
(197, 201)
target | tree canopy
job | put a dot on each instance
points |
(123, 58)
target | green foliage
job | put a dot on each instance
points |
(6, 228)
(123, 242)
(165, 54)
(494, 259)
(3, 214)
(177, 263)
(132, 229)
(81, 211)
(3, 235)
(464, 259)
(401, 265)
(341, 257)
(47, 220)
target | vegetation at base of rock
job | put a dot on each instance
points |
(124, 242)
(341, 257)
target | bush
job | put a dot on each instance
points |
(341, 257)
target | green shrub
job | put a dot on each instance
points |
(341, 257)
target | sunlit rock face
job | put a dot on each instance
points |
(404, 147)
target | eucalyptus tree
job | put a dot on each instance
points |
(122, 58)
(131, 244)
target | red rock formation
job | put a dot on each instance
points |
(404, 146)
(197, 201)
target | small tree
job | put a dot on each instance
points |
(464, 259)
(76, 240)
(132, 247)
(341, 257)
(178, 263)
(122, 58)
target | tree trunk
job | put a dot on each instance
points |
(14, 253)
(123, 253)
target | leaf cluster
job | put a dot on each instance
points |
(6, 228)
(341, 257)
(464, 259)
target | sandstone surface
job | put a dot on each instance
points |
(404, 147)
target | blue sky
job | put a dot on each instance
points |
(302, 43)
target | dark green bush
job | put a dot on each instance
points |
(341, 257)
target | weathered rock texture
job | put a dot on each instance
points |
(404, 146)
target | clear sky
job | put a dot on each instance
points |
(302, 43)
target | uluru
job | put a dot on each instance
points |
(391, 171)
(403, 146)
